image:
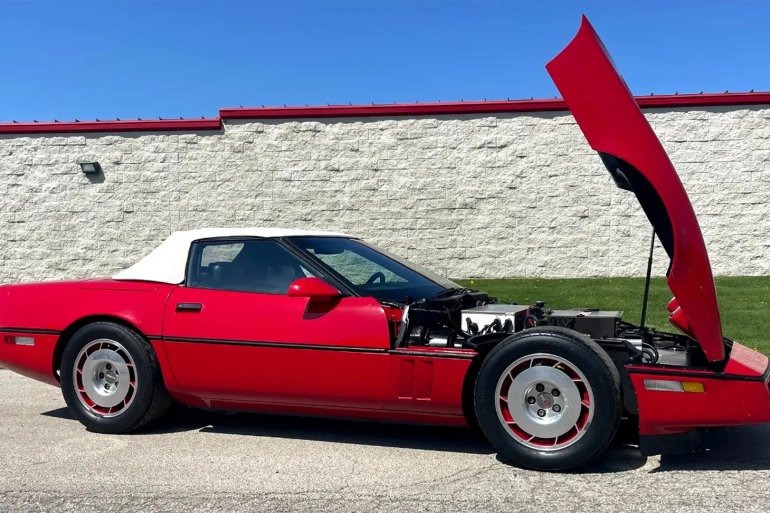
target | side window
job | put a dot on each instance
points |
(219, 253)
(262, 266)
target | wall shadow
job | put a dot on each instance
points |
(95, 178)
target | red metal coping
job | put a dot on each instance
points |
(136, 125)
(424, 109)
(382, 110)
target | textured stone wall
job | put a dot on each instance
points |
(471, 196)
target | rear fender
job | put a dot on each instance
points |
(73, 328)
(59, 309)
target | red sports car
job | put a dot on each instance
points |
(326, 324)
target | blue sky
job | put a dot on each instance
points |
(87, 59)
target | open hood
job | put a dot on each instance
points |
(614, 126)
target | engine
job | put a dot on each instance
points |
(466, 318)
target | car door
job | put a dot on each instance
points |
(232, 333)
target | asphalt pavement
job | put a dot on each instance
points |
(201, 461)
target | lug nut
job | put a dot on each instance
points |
(556, 408)
(541, 413)
(109, 366)
(101, 375)
(106, 386)
(540, 387)
(531, 400)
(555, 392)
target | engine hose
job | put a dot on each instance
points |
(650, 351)
(493, 326)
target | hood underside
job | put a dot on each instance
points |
(615, 126)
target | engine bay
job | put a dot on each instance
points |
(468, 319)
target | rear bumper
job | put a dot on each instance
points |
(736, 397)
(34, 361)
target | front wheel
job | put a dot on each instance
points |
(548, 399)
(111, 379)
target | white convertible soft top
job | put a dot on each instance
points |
(167, 262)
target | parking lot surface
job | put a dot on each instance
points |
(201, 461)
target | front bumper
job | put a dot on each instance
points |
(738, 396)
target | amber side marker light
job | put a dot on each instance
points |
(19, 341)
(665, 385)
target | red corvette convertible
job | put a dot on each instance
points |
(326, 324)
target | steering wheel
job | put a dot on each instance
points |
(376, 276)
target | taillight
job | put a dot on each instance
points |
(19, 341)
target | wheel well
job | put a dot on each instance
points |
(469, 384)
(73, 328)
(484, 344)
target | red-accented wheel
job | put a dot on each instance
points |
(548, 398)
(105, 377)
(111, 379)
(545, 401)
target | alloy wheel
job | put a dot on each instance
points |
(105, 378)
(544, 401)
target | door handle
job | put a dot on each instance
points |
(188, 307)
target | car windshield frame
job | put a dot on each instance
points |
(420, 283)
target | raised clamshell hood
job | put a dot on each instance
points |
(615, 126)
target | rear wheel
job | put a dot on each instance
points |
(111, 380)
(548, 398)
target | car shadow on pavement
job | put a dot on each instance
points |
(59, 413)
(407, 436)
(737, 448)
(721, 449)
(618, 458)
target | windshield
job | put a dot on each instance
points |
(373, 272)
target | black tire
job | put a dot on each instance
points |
(587, 357)
(150, 398)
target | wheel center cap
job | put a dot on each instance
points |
(545, 400)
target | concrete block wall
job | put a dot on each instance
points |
(484, 196)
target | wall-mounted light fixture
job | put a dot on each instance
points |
(90, 168)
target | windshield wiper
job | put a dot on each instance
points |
(454, 291)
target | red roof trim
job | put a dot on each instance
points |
(702, 100)
(424, 109)
(149, 125)
(406, 109)
(383, 110)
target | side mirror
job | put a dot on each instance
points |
(314, 288)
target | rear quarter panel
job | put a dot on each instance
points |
(56, 305)
(45, 310)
